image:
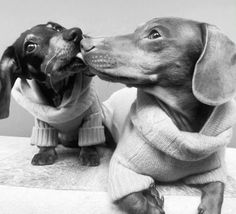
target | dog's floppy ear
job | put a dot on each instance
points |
(9, 68)
(214, 79)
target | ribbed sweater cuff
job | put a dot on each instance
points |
(44, 137)
(91, 136)
(123, 181)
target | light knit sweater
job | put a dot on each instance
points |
(78, 117)
(150, 146)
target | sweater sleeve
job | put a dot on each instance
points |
(43, 135)
(187, 146)
(92, 131)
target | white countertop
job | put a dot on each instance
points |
(67, 188)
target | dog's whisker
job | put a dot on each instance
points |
(49, 61)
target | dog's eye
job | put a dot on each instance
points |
(154, 34)
(30, 47)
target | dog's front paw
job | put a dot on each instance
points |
(144, 202)
(212, 198)
(208, 208)
(154, 199)
(46, 156)
(89, 156)
(202, 209)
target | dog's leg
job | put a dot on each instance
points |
(145, 202)
(45, 156)
(212, 198)
(89, 156)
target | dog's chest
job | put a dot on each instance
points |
(54, 96)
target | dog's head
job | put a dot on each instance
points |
(168, 53)
(46, 51)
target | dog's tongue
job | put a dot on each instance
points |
(80, 56)
(79, 59)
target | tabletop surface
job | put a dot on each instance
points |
(47, 188)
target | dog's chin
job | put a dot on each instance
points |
(75, 65)
(111, 75)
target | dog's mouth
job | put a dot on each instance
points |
(129, 81)
(108, 68)
(74, 65)
(100, 61)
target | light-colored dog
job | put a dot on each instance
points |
(182, 115)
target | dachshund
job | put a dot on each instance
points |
(45, 59)
(184, 72)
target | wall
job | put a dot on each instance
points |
(103, 17)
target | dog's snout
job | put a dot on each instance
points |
(87, 45)
(73, 34)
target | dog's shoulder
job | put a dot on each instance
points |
(116, 109)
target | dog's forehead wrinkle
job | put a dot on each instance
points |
(32, 37)
(157, 22)
(150, 26)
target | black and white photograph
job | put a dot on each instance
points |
(118, 107)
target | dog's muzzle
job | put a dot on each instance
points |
(100, 61)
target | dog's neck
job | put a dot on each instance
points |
(54, 92)
(182, 107)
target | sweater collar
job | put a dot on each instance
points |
(74, 103)
(154, 126)
(223, 115)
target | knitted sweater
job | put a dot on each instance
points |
(150, 146)
(78, 117)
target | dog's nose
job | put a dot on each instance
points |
(73, 34)
(87, 45)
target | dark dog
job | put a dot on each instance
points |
(187, 68)
(46, 54)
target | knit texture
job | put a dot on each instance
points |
(44, 135)
(78, 117)
(92, 131)
(150, 146)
